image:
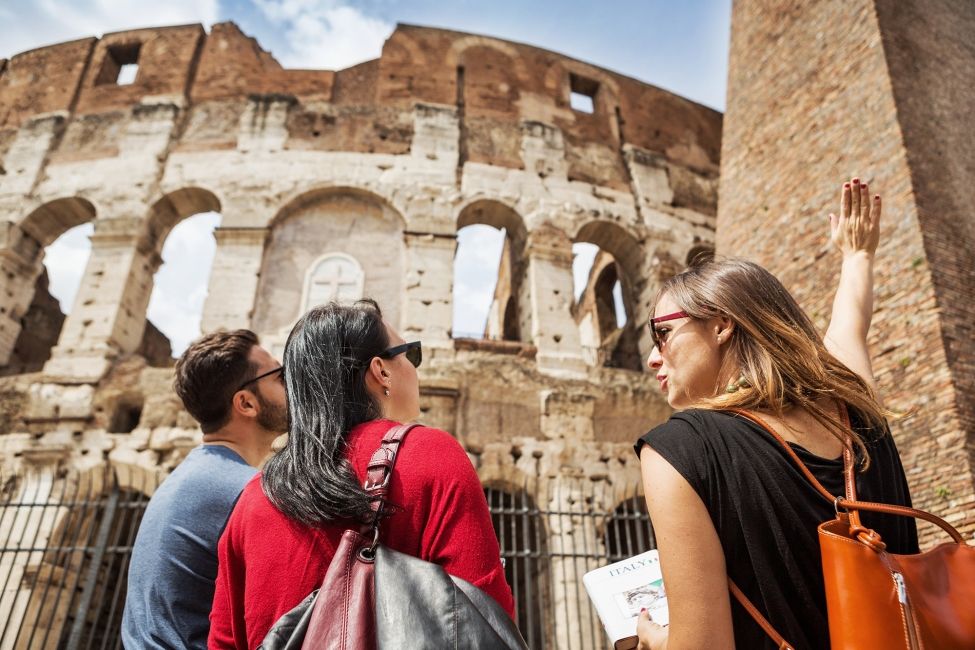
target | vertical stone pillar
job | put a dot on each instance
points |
(234, 278)
(109, 314)
(553, 331)
(427, 311)
(20, 265)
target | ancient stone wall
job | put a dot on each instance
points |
(350, 182)
(819, 92)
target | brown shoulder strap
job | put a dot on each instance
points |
(379, 472)
(755, 614)
(847, 458)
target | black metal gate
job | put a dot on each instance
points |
(545, 573)
(65, 542)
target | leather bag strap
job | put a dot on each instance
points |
(755, 614)
(379, 473)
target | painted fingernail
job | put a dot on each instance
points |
(846, 186)
(643, 609)
(876, 196)
(856, 181)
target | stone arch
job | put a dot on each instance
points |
(347, 220)
(510, 305)
(170, 209)
(455, 54)
(49, 221)
(616, 347)
(25, 282)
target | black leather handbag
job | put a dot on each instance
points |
(373, 597)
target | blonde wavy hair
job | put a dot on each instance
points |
(775, 346)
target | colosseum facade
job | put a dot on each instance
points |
(344, 183)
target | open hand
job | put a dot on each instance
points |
(857, 227)
(652, 636)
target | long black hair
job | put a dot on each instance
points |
(325, 363)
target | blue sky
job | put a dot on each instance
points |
(679, 45)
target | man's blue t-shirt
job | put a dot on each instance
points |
(174, 560)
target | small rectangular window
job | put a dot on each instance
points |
(582, 93)
(127, 73)
(120, 65)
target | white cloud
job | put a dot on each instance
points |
(44, 22)
(325, 33)
(180, 285)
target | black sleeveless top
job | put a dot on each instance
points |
(766, 514)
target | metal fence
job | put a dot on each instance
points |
(66, 539)
(65, 543)
(550, 536)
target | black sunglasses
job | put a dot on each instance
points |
(261, 376)
(414, 353)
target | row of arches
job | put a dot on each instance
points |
(325, 244)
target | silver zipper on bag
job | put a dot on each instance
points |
(906, 608)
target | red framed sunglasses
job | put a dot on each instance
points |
(659, 337)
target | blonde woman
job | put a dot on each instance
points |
(724, 498)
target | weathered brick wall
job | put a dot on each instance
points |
(822, 91)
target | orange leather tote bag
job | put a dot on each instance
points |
(877, 599)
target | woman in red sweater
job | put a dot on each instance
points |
(350, 377)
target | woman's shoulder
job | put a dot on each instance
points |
(702, 423)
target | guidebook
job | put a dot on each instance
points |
(619, 591)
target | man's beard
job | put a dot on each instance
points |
(271, 417)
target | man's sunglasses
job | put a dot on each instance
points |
(659, 337)
(261, 376)
(414, 353)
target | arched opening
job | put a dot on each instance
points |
(334, 243)
(179, 288)
(53, 246)
(628, 531)
(606, 264)
(180, 230)
(521, 535)
(489, 293)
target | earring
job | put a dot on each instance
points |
(386, 392)
(734, 386)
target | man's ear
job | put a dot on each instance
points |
(245, 403)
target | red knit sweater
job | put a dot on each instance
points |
(269, 563)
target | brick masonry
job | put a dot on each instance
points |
(817, 93)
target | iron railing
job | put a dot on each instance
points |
(65, 543)
(550, 536)
(66, 539)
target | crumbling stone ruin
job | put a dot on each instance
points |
(343, 184)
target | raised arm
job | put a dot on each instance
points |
(855, 231)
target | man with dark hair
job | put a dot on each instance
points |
(235, 390)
